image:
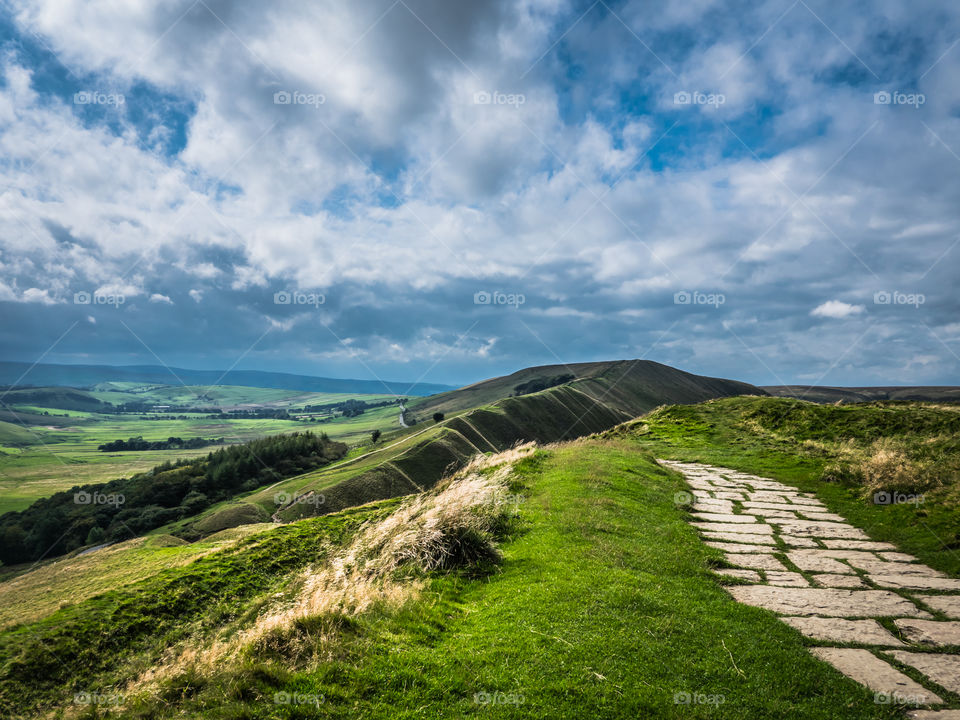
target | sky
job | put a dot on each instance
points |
(447, 191)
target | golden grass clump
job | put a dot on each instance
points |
(455, 524)
(888, 467)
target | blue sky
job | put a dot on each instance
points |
(442, 191)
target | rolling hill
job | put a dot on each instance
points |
(19, 373)
(487, 417)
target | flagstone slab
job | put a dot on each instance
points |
(838, 581)
(755, 528)
(770, 506)
(755, 561)
(882, 567)
(812, 528)
(724, 517)
(915, 582)
(786, 579)
(827, 602)
(878, 675)
(934, 715)
(851, 555)
(729, 495)
(897, 557)
(859, 545)
(815, 515)
(768, 498)
(807, 500)
(748, 538)
(944, 670)
(800, 542)
(751, 575)
(930, 632)
(741, 548)
(813, 561)
(949, 605)
(838, 630)
(707, 503)
(762, 512)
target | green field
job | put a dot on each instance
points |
(45, 449)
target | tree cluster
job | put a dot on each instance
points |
(128, 507)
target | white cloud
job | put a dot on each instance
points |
(836, 309)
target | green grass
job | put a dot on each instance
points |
(219, 395)
(102, 640)
(46, 588)
(52, 454)
(771, 437)
(604, 606)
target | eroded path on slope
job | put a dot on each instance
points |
(871, 610)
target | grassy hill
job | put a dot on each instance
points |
(560, 583)
(600, 396)
(630, 386)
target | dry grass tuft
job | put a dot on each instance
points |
(888, 467)
(454, 525)
(884, 466)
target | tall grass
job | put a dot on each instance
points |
(454, 526)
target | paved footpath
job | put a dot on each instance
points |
(835, 585)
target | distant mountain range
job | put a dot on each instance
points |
(80, 376)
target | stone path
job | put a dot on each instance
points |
(872, 610)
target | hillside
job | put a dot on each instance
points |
(826, 394)
(88, 375)
(564, 582)
(490, 420)
(630, 386)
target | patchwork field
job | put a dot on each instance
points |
(47, 449)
